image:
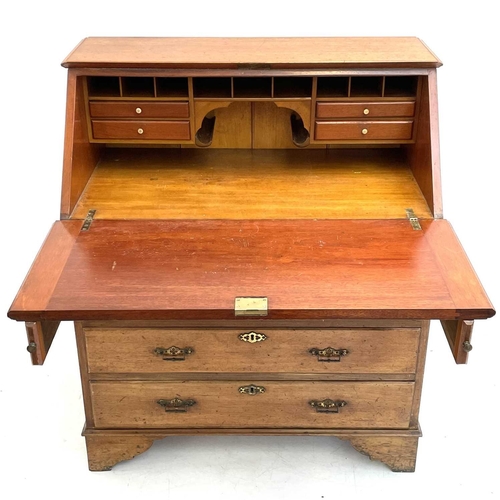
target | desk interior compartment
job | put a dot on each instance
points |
(187, 183)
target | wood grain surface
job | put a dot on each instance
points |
(80, 156)
(396, 448)
(141, 129)
(457, 333)
(162, 109)
(397, 452)
(319, 52)
(308, 269)
(40, 336)
(42, 278)
(283, 404)
(363, 131)
(423, 155)
(243, 184)
(364, 109)
(105, 451)
(118, 350)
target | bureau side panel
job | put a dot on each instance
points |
(419, 376)
(84, 374)
(80, 156)
(424, 154)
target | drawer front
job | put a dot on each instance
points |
(364, 109)
(144, 110)
(364, 131)
(269, 404)
(135, 350)
(141, 130)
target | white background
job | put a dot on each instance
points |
(41, 411)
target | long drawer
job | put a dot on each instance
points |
(138, 109)
(189, 404)
(141, 130)
(364, 109)
(364, 131)
(363, 350)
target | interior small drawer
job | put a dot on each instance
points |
(138, 109)
(349, 351)
(363, 131)
(364, 109)
(243, 404)
(141, 130)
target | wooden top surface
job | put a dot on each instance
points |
(360, 52)
(277, 184)
(332, 269)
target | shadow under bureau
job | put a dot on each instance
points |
(251, 241)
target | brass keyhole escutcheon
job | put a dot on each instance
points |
(252, 390)
(252, 337)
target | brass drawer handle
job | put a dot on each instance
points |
(364, 131)
(138, 111)
(366, 111)
(252, 390)
(176, 404)
(328, 354)
(140, 131)
(173, 353)
(252, 337)
(327, 405)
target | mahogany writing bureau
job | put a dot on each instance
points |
(251, 241)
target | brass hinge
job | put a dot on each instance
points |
(413, 219)
(250, 306)
(88, 220)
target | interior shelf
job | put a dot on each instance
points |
(277, 184)
(104, 86)
(400, 86)
(333, 86)
(292, 87)
(212, 87)
(367, 87)
(252, 87)
(256, 87)
(172, 87)
(137, 87)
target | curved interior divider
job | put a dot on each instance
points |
(205, 133)
(300, 135)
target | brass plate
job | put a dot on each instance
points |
(250, 306)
